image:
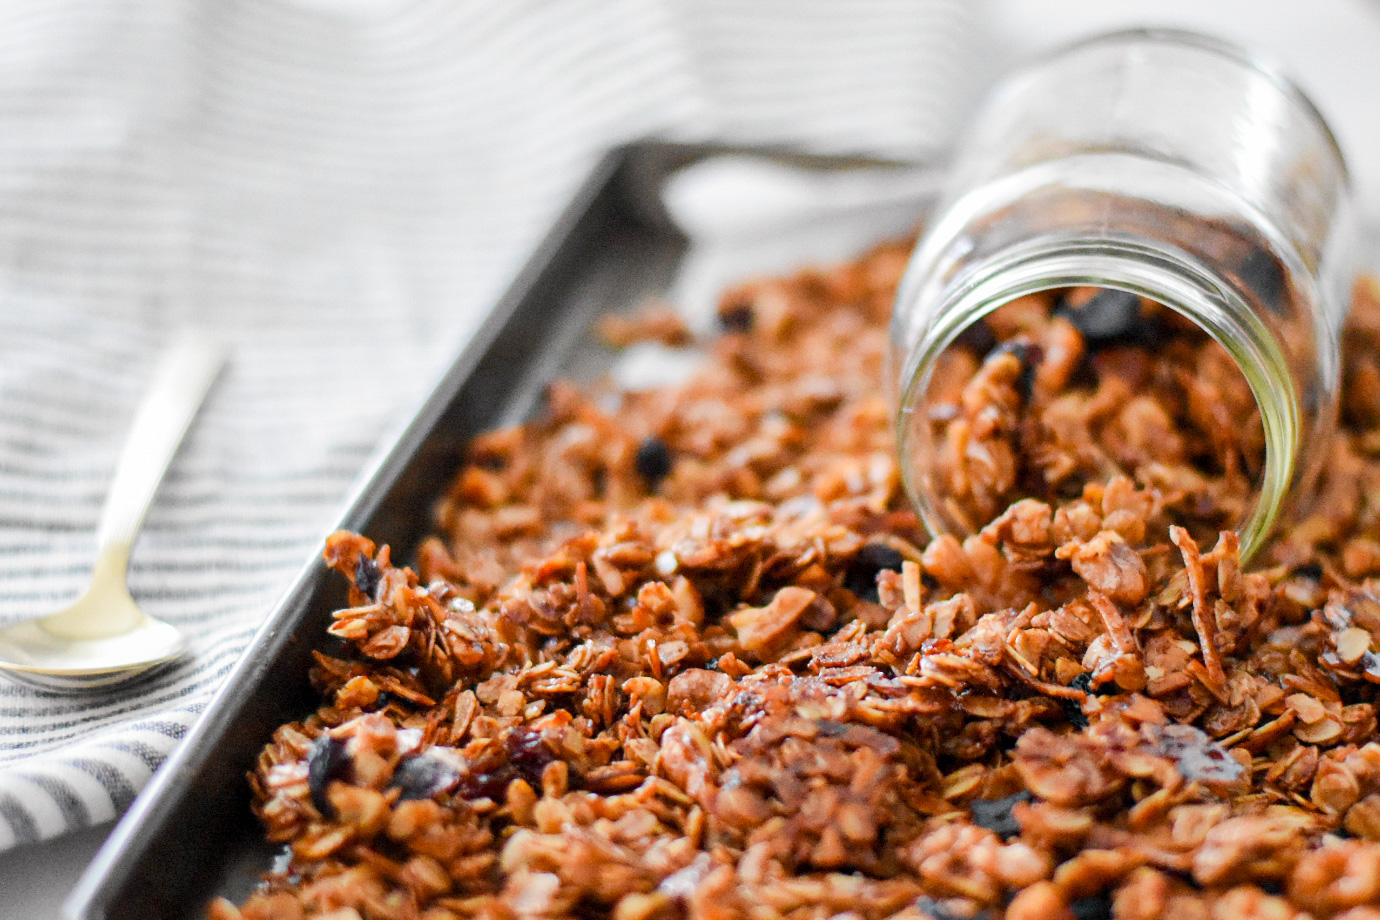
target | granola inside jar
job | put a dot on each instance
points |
(1063, 392)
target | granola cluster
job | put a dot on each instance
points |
(691, 656)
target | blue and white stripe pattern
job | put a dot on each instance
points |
(338, 188)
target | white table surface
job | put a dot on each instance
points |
(1331, 47)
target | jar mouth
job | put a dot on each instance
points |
(1171, 278)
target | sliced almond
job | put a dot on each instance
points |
(1308, 709)
(1325, 731)
(1352, 644)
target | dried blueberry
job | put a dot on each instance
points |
(1093, 907)
(338, 648)
(1073, 709)
(978, 337)
(1084, 682)
(326, 761)
(934, 910)
(493, 463)
(1309, 570)
(1370, 665)
(1109, 315)
(367, 575)
(736, 316)
(872, 559)
(995, 814)
(1018, 347)
(1028, 355)
(1073, 712)
(1261, 273)
(423, 776)
(653, 462)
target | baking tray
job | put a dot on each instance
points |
(190, 835)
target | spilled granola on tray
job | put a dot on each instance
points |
(694, 658)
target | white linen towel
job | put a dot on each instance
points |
(338, 188)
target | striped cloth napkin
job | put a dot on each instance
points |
(338, 188)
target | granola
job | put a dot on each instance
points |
(693, 657)
(1055, 391)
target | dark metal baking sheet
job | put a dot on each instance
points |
(190, 835)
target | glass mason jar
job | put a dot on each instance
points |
(1161, 163)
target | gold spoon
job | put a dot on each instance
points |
(103, 638)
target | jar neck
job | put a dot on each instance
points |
(1169, 277)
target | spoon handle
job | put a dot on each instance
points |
(179, 385)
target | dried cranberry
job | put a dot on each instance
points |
(527, 753)
(326, 761)
(524, 755)
(653, 461)
(485, 784)
(487, 776)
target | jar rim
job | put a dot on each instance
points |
(1173, 279)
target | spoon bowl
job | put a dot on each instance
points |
(34, 656)
(103, 638)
